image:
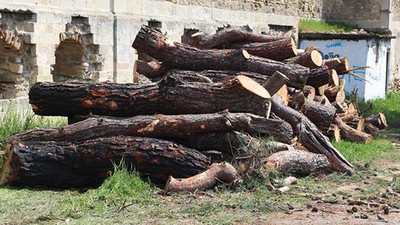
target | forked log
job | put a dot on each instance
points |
(88, 163)
(276, 50)
(178, 55)
(204, 41)
(217, 172)
(152, 69)
(161, 126)
(311, 59)
(310, 136)
(378, 120)
(341, 65)
(322, 76)
(298, 162)
(321, 115)
(168, 96)
(351, 134)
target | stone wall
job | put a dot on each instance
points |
(396, 10)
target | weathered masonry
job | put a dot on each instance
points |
(58, 40)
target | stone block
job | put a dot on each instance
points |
(16, 68)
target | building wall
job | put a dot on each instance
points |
(370, 52)
(395, 28)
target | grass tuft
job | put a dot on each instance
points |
(324, 26)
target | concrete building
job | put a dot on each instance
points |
(55, 40)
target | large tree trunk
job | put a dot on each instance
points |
(276, 50)
(153, 70)
(320, 115)
(298, 162)
(215, 76)
(161, 126)
(182, 56)
(204, 41)
(351, 134)
(168, 96)
(88, 163)
(311, 59)
(217, 172)
(310, 137)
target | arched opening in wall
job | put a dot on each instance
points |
(70, 63)
(12, 82)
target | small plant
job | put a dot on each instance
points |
(390, 106)
(324, 26)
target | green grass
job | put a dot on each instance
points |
(390, 106)
(324, 26)
(363, 153)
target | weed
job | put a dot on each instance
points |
(324, 26)
(390, 106)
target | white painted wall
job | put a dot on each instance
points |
(360, 53)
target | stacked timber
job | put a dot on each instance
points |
(199, 104)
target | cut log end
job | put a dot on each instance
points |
(246, 54)
(294, 46)
(197, 34)
(334, 79)
(253, 86)
(316, 57)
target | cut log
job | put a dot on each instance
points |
(276, 50)
(284, 94)
(320, 115)
(340, 96)
(204, 41)
(276, 82)
(331, 92)
(311, 59)
(369, 128)
(357, 123)
(323, 100)
(161, 126)
(168, 96)
(321, 89)
(215, 76)
(299, 163)
(178, 55)
(378, 121)
(349, 113)
(88, 163)
(341, 65)
(297, 100)
(153, 69)
(322, 76)
(351, 134)
(309, 92)
(309, 135)
(217, 172)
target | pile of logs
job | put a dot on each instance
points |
(197, 104)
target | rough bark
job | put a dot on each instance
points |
(161, 126)
(217, 172)
(378, 120)
(322, 76)
(351, 134)
(276, 50)
(88, 163)
(276, 82)
(168, 96)
(323, 100)
(215, 76)
(152, 69)
(298, 162)
(297, 100)
(311, 59)
(182, 56)
(309, 92)
(320, 115)
(310, 137)
(341, 65)
(228, 35)
(369, 128)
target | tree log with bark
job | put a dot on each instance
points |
(378, 120)
(228, 35)
(217, 172)
(311, 59)
(310, 137)
(168, 96)
(322, 76)
(341, 65)
(320, 115)
(351, 134)
(276, 50)
(298, 162)
(161, 126)
(88, 163)
(153, 69)
(178, 55)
